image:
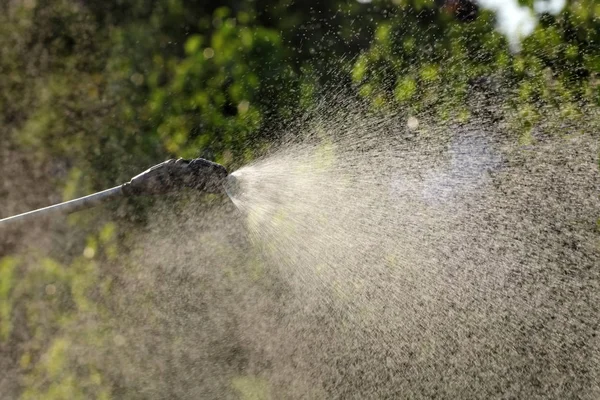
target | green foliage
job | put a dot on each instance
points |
(59, 309)
(7, 272)
(428, 62)
(219, 93)
(251, 388)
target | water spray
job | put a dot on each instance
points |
(170, 176)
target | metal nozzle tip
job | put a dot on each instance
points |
(232, 186)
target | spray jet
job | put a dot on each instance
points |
(169, 176)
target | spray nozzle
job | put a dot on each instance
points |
(171, 175)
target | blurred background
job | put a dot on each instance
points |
(93, 92)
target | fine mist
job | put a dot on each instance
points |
(428, 261)
(363, 256)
